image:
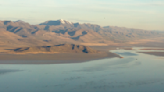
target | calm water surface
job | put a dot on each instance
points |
(136, 72)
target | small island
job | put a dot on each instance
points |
(62, 48)
(57, 54)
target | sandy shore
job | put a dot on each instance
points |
(151, 49)
(107, 48)
(55, 58)
(154, 53)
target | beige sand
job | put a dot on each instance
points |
(154, 53)
(52, 58)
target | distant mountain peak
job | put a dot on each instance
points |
(61, 20)
(56, 22)
(64, 21)
(19, 21)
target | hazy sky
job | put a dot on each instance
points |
(142, 14)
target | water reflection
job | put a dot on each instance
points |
(126, 53)
(117, 84)
(118, 63)
(135, 72)
(4, 71)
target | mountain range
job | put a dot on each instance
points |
(20, 33)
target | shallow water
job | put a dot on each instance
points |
(136, 72)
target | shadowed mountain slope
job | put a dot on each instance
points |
(62, 48)
(62, 31)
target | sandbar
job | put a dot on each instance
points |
(154, 53)
(56, 58)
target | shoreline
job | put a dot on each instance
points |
(56, 58)
(159, 54)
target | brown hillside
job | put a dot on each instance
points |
(62, 32)
(62, 48)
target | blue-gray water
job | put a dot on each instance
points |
(136, 72)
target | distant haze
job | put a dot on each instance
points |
(140, 14)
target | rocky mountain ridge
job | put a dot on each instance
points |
(62, 31)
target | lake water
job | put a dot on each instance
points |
(136, 72)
